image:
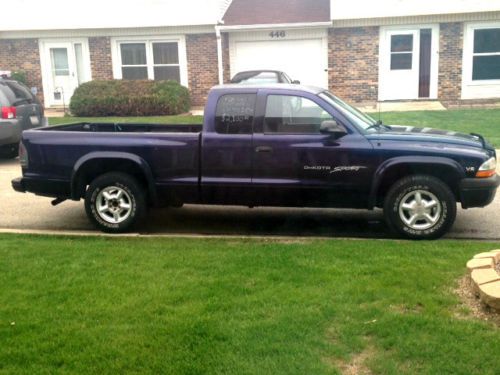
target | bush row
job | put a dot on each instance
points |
(129, 98)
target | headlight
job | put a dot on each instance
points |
(487, 169)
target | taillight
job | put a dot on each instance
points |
(8, 112)
(23, 155)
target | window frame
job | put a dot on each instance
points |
(150, 65)
(468, 54)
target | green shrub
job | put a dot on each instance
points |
(19, 76)
(129, 98)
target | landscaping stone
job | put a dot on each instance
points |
(480, 264)
(490, 254)
(490, 294)
(483, 276)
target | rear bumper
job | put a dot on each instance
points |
(10, 132)
(478, 192)
(46, 188)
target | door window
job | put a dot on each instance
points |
(235, 114)
(486, 55)
(287, 114)
(60, 64)
(401, 52)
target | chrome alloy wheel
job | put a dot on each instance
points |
(420, 209)
(113, 204)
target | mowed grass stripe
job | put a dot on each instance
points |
(215, 306)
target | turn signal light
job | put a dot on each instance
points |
(8, 112)
(487, 169)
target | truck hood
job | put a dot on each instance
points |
(415, 134)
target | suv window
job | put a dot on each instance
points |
(21, 92)
(286, 114)
(235, 114)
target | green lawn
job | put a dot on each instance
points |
(483, 121)
(211, 306)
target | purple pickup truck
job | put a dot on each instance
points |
(270, 145)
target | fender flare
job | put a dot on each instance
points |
(140, 162)
(411, 161)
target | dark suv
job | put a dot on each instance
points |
(19, 110)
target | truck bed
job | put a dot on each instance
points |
(102, 127)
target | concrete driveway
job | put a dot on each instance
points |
(27, 212)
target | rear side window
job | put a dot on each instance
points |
(20, 92)
(235, 114)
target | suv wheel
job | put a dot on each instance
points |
(420, 207)
(10, 151)
(115, 202)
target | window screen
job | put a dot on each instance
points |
(401, 52)
(486, 56)
(235, 114)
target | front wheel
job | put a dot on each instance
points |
(420, 207)
(115, 202)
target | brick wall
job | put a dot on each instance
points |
(353, 63)
(450, 62)
(100, 58)
(23, 54)
(202, 66)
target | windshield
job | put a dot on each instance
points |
(362, 120)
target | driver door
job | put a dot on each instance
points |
(294, 164)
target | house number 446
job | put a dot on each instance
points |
(277, 34)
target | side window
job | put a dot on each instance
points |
(293, 115)
(235, 113)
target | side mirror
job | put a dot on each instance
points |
(332, 127)
(296, 82)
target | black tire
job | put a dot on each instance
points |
(401, 206)
(110, 185)
(10, 151)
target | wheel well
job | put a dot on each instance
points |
(393, 174)
(92, 169)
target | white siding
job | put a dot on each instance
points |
(96, 14)
(356, 9)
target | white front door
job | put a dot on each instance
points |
(400, 65)
(64, 66)
(408, 62)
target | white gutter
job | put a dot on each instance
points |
(298, 25)
(220, 63)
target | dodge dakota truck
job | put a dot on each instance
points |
(269, 145)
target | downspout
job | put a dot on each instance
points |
(219, 55)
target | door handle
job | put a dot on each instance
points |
(263, 149)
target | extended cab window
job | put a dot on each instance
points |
(235, 113)
(293, 115)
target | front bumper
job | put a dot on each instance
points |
(478, 192)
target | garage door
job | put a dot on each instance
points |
(304, 60)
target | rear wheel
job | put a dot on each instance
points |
(420, 207)
(115, 202)
(9, 151)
